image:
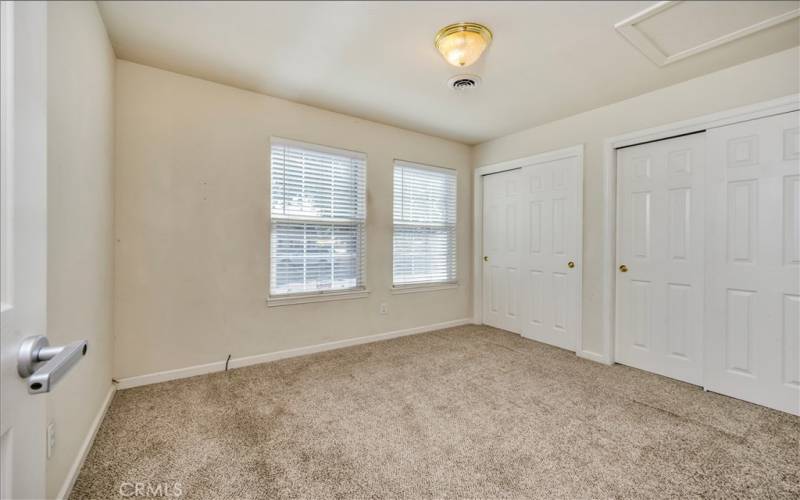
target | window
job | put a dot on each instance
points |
(318, 219)
(424, 224)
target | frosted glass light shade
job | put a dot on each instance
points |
(462, 44)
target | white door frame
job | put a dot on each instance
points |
(477, 232)
(754, 111)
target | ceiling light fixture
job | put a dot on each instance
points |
(462, 44)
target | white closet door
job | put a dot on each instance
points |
(659, 307)
(550, 279)
(753, 336)
(501, 250)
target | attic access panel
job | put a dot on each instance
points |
(673, 30)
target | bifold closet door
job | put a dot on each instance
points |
(660, 257)
(501, 250)
(551, 270)
(753, 337)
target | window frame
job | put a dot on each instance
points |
(322, 295)
(429, 286)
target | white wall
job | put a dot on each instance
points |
(762, 79)
(80, 220)
(192, 160)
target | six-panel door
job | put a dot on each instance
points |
(660, 257)
(551, 225)
(501, 250)
(753, 298)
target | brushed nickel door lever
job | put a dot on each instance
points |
(44, 365)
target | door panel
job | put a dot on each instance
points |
(738, 340)
(640, 237)
(660, 241)
(641, 308)
(791, 340)
(501, 244)
(679, 222)
(678, 297)
(791, 220)
(535, 293)
(552, 229)
(753, 291)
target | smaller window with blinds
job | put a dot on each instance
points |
(318, 219)
(424, 225)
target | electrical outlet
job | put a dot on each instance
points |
(384, 308)
(51, 438)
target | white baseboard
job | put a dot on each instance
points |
(165, 376)
(72, 475)
(191, 371)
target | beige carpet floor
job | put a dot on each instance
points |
(468, 412)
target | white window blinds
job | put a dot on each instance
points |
(424, 224)
(318, 219)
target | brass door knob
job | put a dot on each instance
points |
(570, 264)
(486, 258)
(623, 268)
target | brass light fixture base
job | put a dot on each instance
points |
(480, 29)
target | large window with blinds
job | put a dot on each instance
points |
(424, 225)
(318, 219)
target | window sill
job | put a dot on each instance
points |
(432, 287)
(316, 297)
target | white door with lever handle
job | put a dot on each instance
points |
(28, 365)
(24, 252)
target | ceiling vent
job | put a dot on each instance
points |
(464, 82)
